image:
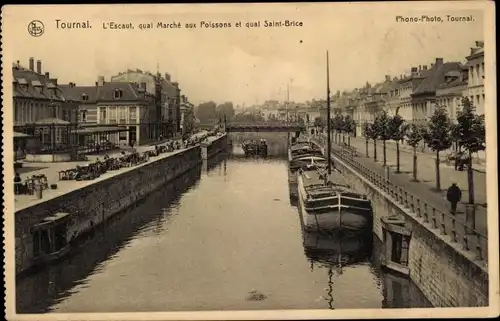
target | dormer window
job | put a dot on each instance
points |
(117, 94)
(85, 97)
(38, 85)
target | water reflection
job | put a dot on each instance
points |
(36, 292)
(333, 253)
(211, 164)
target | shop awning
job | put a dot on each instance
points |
(96, 130)
(21, 135)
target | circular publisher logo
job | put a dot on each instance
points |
(36, 28)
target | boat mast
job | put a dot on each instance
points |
(328, 125)
(287, 100)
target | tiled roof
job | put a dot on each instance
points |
(76, 92)
(455, 78)
(130, 92)
(29, 84)
(435, 77)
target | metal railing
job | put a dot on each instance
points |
(460, 233)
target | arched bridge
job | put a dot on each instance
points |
(263, 127)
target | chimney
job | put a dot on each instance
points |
(54, 81)
(175, 84)
(424, 67)
(414, 71)
(167, 77)
(480, 44)
(97, 84)
(47, 75)
(39, 67)
(419, 68)
(387, 78)
(143, 86)
(18, 63)
(439, 62)
(100, 81)
(32, 64)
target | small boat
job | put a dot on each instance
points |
(262, 148)
(254, 148)
(330, 204)
(51, 240)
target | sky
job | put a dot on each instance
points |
(240, 64)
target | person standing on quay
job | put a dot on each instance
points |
(454, 195)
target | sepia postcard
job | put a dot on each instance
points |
(250, 161)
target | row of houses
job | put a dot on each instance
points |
(135, 105)
(414, 95)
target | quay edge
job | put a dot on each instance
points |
(93, 204)
(445, 275)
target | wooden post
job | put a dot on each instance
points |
(453, 231)
(426, 214)
(478, 248)
(443, 225)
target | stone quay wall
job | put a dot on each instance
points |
(214, 147)
(93, 204)
(447, 276)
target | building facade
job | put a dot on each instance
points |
(38, 98)
(130, 105)
(423, 99)
(450, 92)
(43, 114)
(476, 74)
(170, 101)
(124, 112)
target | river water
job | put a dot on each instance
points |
(223, 237)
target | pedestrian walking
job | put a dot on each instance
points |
(454, 195)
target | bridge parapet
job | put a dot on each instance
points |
(264, 127)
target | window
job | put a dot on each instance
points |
(133, 114)
(123, 114)
(16, 111)
(102, 115)
(117, 94)
(85, 97)
(84, 115)
(112, 113)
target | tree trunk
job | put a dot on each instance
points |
(384, 153)
(397, 157)
(375, 149)
(349, 140)
(438, 177)
(470, 180)
(415, 163)
(366, 148)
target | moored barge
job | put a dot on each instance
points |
(330, 204)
